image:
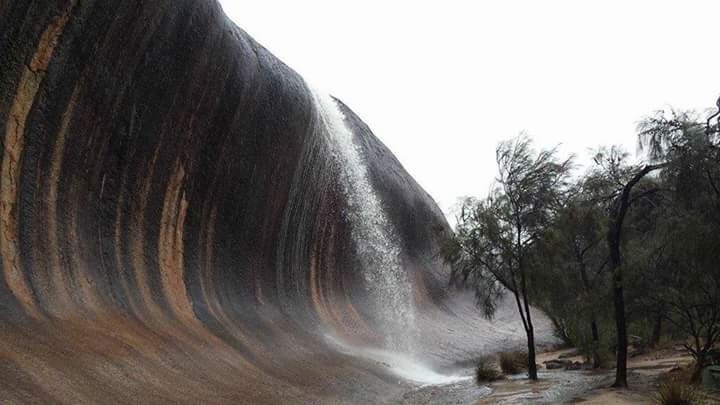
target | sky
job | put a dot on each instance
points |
(442, 82)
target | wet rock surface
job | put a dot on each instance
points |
(178, 225)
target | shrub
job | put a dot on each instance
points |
(676, 392)
(486, 371)
(513, 362)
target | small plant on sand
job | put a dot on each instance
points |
(675, 392)
(513, 362)
(486, 371)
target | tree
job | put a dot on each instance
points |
(685, 272)
(684, 151)
(491, 247)
(612, 166)
(685, 279)
(575, 257)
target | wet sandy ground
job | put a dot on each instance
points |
(553, 387)
(556, 386)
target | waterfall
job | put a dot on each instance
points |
(375, 242)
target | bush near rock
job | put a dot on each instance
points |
(486, 371)
(513, 362)
(557, 364)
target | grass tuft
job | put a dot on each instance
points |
(676, 392)
(486, 371)
(513, 362)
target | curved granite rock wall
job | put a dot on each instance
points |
(174, 223)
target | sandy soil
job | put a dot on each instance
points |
(587, 387)
(592, 387)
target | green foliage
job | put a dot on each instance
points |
(489, 250)
(475, 261)
(573, 257)
(680, 254)
(649, 233)
(513, 362)
(486, 371)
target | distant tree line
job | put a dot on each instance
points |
(620, 250)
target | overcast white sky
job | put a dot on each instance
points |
(442, 82)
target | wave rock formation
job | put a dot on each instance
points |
(183, 219)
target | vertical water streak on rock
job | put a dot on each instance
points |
(137, 242)
(9, 188)
(207, 237)
(60, 284)
(330, 298)
(119, 254)
(388, 284)
(90, 300)
(290, 259)
(14, 143)
(207, 275)
(171, 247)
(315, 279)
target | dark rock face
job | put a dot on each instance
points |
(173, 226)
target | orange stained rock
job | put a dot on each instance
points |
(14, 143)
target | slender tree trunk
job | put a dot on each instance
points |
(614, 233)
(614, 236)
(597, 362)
(657, 328)
(530, 332)
(532, 366)
(525, 309)
(593, 317)
(620, 325)
(699, 366)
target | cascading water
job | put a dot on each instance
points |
(387, 282)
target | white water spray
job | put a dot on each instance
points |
(400, 364)
(387, 282)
